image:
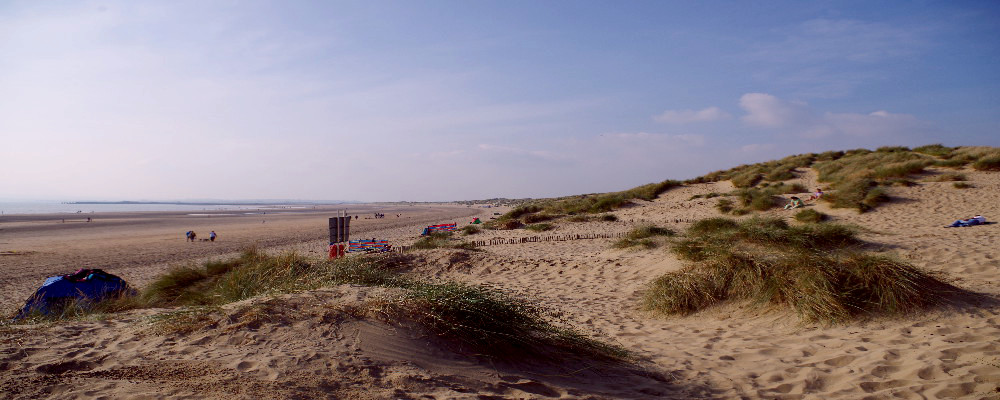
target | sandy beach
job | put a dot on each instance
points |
(307, 351)
(139, 246)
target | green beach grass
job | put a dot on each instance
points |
(819, 271)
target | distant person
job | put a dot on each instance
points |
(189, 235)
(971, 221)
(961, 222)
(795, 202)
(816, 195)
(211, 236)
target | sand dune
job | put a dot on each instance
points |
(309, 345)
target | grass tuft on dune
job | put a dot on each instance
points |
(548, 209)
(819, 271)
(855, 178)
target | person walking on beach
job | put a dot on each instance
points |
(211, 236)
(191, 235)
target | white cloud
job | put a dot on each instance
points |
(689, 116)
(769, 111)
(798, 118)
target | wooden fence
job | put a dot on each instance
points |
(534, 239)
(554, 238)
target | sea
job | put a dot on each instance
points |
(13, 208)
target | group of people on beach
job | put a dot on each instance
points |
(377, 216)
(796, 202)
(192, 236)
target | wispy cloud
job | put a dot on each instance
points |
(689, 116)
(829, 58)
(756, 147)
(540, 154)
(683, 139)
(798, 118)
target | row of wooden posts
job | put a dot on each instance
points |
(340, 228)
(534, 239)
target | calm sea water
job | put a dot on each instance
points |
(7, 208)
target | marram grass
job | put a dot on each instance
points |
(818, 271)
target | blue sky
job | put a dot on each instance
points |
(449, 100)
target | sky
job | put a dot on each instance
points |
(460, 100)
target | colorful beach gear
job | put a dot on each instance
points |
(440, 228)
(369, 245)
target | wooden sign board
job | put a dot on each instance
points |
(340, 229)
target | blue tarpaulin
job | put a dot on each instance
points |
(83, 286)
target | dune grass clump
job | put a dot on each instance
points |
(747, 178)
(544, 210)
(962, 185)
(435, 240)
(765, 198)
(494, 322)
(901, 170)
(510, 224)
(892, 149)
(642, 236)
(218, 282)
(857, 177)
(705, 196)
(818, 271)
(936, 150)
(862, 194)
(471, 229)
(627, 243)
(810, 215)
(987, 164)
(602, 203)
(645, 231)
(724, 206)
(609, 218)
(540, 227)
(536, 218)
(521, 210)
(750, 175)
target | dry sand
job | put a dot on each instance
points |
(308, 348)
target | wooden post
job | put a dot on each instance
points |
(340, 227)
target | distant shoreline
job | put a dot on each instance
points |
(185, 203)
